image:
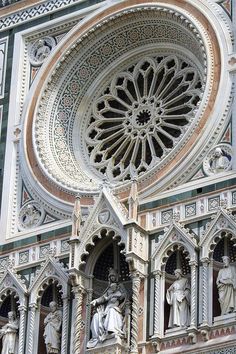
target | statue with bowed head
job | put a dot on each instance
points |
(108, 318)
(9, 335)
(178, 296)
(226, 284)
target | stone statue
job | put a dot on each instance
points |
(178, 297)
(42, 51)
(108, 319)
(9, 335)
(52, 330)
(31, 216)
(219, 162)
(226, 284)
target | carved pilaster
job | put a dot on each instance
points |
(33, 308)
(136, 280)
(64, 326)
(22, 309)
(205, 286)
(157, 300)
(193, 266)
(78, 292)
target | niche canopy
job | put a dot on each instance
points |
(123, 101)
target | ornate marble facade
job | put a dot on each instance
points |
(118, 183)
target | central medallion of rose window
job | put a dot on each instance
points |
(141, 116)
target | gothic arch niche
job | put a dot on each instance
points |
(50, 282)
(9, 303)
(51, 293)
(225, 246)
(177, 260)
(105, 259)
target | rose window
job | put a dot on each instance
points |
(141, 115)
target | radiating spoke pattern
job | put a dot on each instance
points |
(141, 115)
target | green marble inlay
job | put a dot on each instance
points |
(35, 239)
(188, 195)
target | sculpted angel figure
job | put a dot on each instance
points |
(52, 330)
(108, 318)
(9, 335)
(178, 297)
(226, 284)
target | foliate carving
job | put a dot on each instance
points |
(31, 215)
(40, 50)
(139, 118)
(219, 159)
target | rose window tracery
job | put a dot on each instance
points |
(141, 115)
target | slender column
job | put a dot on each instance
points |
(135, 305)
(65, 318)
(157, 300)
(193, 322)
(78, 291)
(205, 288)
(22, 310)
(33, 308)
(89, 293)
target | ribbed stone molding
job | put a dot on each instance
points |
(194, 290)
(89, 297)
(78, 292)
(136, 281)
(157, 297)
(31, 326)
(22, 309)
(205, 285)
(64, 337)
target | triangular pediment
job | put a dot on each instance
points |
(178, 235)
(107, 212)
(223, 220)
(11, 282)
(52, 268)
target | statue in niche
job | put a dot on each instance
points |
(108, 319)
(219, 162)
(52, 330)
(9, 335)
(178, 297)
(226, 284)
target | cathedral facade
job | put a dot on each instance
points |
(117, 177)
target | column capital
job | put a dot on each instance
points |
(22, 308)
(157, 273)
(205, 260)
(33, 306)
(193, 263)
